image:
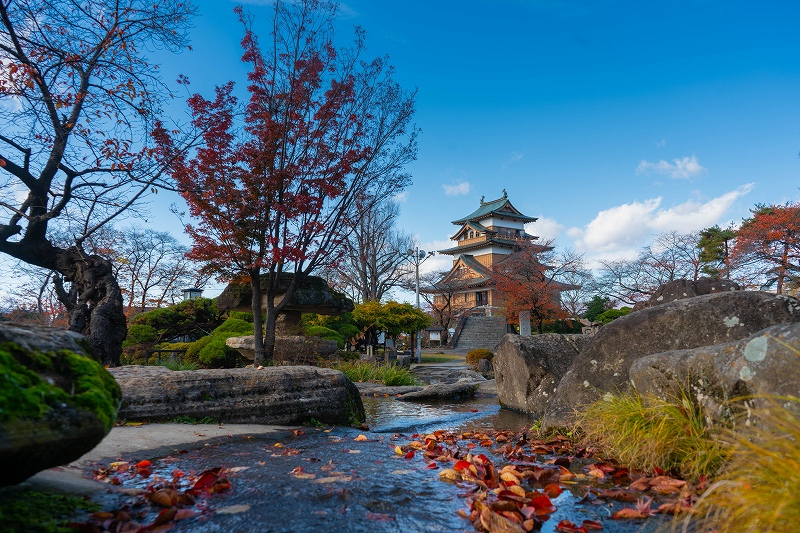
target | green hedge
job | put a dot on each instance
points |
(325, 333)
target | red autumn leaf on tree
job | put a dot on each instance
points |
(274, 192)
(769, 241)
(526, 282)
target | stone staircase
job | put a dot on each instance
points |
(481, 332)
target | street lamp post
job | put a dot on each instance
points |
(418, 257)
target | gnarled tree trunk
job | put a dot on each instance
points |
(94, 301)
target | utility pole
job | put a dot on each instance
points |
(418, 257)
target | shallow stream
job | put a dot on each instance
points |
(324, 479)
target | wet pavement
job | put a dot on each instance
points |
(324, 479)
(331, 479)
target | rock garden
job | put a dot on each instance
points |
(662, 413)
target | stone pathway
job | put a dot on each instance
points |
(155, 440)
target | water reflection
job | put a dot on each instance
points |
(386, 415)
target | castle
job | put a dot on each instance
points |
(484, 238)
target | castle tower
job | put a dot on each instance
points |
(484, 238)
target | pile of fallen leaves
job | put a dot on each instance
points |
(180, 496)
(518, 497)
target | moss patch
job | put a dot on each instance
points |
(33, 511)
(32, 383)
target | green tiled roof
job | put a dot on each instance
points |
(495, 208)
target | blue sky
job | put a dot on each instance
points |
(612, 121)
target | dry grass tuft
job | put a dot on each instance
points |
(758, 491)
(649, 433)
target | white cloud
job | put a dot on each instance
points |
(622, 230)
(515, 156)
(661, 144)
(545, 228)
(682, 168)
(438, 261)
(401, 196)
(459, 189)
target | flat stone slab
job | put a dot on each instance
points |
(442, 391)
(271, 395)
(378, 389)
(445, 373)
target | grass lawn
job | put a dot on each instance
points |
(441, 358)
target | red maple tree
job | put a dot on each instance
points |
(771, 237)
(527, 280)
(270, 194)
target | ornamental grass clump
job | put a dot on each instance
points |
(395, 375)
(759, 489)
(649, 433)
(365, 371)
(357, 370)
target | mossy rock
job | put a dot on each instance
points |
(57, 402)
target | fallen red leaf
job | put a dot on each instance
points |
(553, 490)
(565, 526)
(462, 465)
(543, 505)
(628, 513)
(379, 517)
(211, 481)
(184, 513)
(592, 525)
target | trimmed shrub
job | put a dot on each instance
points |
(173, 346)
(241, 315)
(325, 333)
(347, 331)
(235, 326)
(212, 352)
(216, 354)
(473, 356)
(193, 351)
(612, 314)
(139, 334)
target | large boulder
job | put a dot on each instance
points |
(765, 363)
(527, 369)
(271, 395)
(682, 324)
(293, 350)
(685, 288)
(57, 401)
